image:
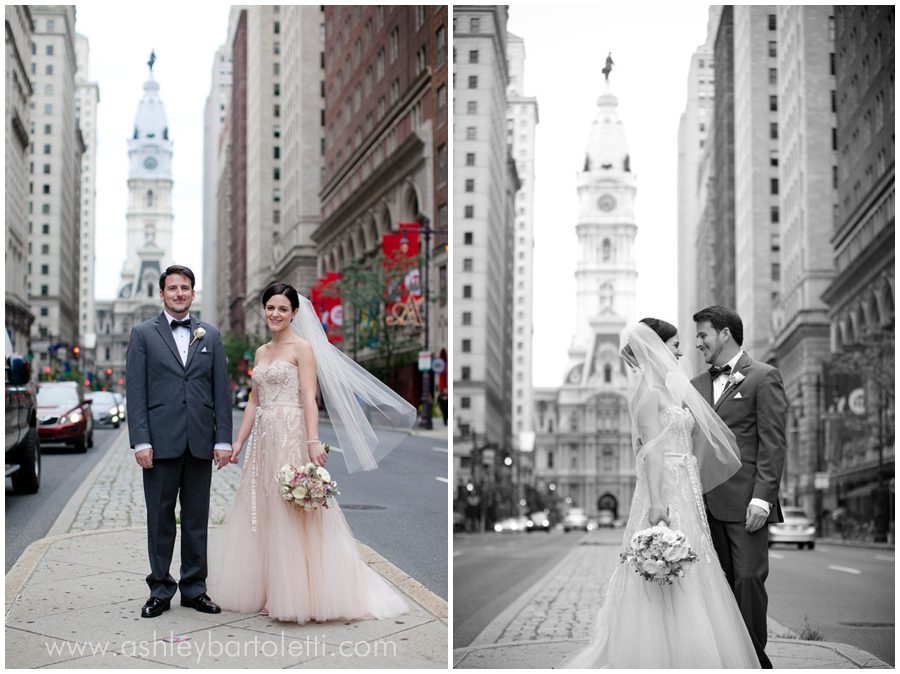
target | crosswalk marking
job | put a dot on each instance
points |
(845, 569)
(776, 555)
(442, 479)
(439, 449)
(884, 558)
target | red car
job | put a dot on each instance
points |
(64, 415)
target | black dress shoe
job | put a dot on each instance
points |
(201, 603)
(155, 607)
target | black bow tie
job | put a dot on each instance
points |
(716, 371)
(186, 323)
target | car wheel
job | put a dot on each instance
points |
(811, 545)
(771, 544)
(116, 425)
(81, 445)
(90, 440)
(800, 546)
(27, 479)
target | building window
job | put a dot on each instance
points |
(773, 186)
(772, 22)
(46, 189)
(465, 402)
(440, 46)
(468, 238)
(472, 108)
(473, 81)
(471, 133)
(48, 69)
(473, 56)
(468, 264)
(442, 105)
(607, 373)
(467, 346)
(773, 49)
(773, 130)
(774, 214)
(470, 159)
(467, 318)
(469, 211)
(773, 76)
(465, 373)
(395, 44)
(45, 229)
(442, 164)
(776, 272)
(470, 184)
(475, 25)
(467, 292)
(773, 103)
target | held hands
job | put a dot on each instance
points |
(236, 448)
(222, 458)
(657, 515)
(317, 454)
(756, 517)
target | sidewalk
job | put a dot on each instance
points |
(553, 619)
(438, 432)
(73, 599)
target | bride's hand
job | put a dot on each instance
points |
(317, 454)
(235, 451)
(657, 515)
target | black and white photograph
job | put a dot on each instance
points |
(673, 336)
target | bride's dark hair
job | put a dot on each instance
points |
(664, 330)
(279, 288)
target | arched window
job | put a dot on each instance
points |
(607, 373)
(607, 250)
(149, 290)
(149, 198)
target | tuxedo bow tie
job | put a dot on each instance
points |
(186, 323)
(716, 371)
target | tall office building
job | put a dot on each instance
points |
(694, 133)
(87, 97)
(861, 296)
(214, 115)
(485, 182)
(807, 150)
(521, 123)
(55, 184)
(18, 122)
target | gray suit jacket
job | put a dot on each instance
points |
(173, 406)
(758, 419)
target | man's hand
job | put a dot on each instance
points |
(144, 458)
(756, 517)
(222, 458)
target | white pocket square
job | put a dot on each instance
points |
(738, 396)
(203, 350)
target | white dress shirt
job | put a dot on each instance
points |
(182, 336)
(719, 384)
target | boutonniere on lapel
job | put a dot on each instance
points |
(735, 378)
(199, 333)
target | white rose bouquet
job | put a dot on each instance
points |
(308, 487)
(659, 554)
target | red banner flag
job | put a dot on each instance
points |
(326, 300)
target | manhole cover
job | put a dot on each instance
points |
(360, 506)
(863, 624)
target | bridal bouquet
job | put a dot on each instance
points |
(307, 487)
(659, 554)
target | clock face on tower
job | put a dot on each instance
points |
(606, 203)
(150, 163)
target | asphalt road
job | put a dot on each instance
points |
(490, 571)
(844, 593)
(29, 517)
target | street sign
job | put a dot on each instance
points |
(438, 365)
(424, 361)
(821, 481)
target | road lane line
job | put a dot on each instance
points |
(884, 558)
(457, 553)
(845, 569)
(439, 449)
(776, 555)
(442, 479)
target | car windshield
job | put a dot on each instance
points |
(794, 512)
(103, 398)
(57, 395)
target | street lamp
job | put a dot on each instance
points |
(423, 228)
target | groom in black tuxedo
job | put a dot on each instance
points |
(749, 397)
(179, 417)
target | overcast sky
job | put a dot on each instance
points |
(565, 50)
(121, 36)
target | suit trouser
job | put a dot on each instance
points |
(745, 559)
(190, 478)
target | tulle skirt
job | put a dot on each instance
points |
(693, 623)
(302, 566)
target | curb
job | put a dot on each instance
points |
(857, 656)
(872, 545)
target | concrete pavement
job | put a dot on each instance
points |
(553, 619)
(73, 598)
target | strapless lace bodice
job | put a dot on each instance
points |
(277, 384)
(677, 424)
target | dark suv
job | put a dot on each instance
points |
(23, 447)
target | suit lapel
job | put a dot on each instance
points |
(194, 343)
(707, 389)
(742, 364)
(165, 331)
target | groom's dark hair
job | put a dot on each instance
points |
(721, 318)
(176, 269)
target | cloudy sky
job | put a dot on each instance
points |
(565, 50)
(121, 36)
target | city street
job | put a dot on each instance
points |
(846, 594)
(29, 517)
(491, 570)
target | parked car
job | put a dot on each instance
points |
(538, 521)
(797, 529)
(511, 524)
(120, 401)
(459, 522)
(64, 415)
(605, 519)
(105, 408)
(23, 446)
(575, 519)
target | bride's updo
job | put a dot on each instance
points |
(279, 288)
(664, 330)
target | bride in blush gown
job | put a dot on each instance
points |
(278, 559)
(682, 450)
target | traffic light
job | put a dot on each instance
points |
(109, 372)
(76, 351)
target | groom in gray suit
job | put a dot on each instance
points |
(749, 397)
(179, 417)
